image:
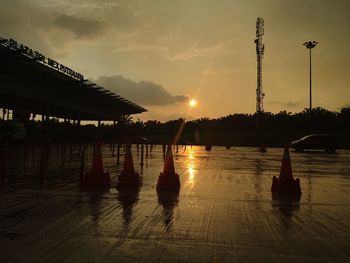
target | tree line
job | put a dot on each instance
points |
(238, 128)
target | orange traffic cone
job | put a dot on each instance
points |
(168, 179)
(128, 178)
(97, 177)
(286, 173)
(286, 184)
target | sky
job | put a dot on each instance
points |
(161, 53)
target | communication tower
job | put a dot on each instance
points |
(260, 47)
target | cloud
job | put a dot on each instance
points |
(143, 92)
(123, 16)
(79, 26)
(181, 98)
(47, 28)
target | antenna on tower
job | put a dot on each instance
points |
(260, 49)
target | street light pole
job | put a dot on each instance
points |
(310, 45)
(310, 81)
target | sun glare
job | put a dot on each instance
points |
(193, 103)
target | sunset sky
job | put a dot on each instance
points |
(160, 53)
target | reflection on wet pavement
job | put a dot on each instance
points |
(128, 198)
(169, 201)
(224, 212)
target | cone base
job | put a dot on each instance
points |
(168, 183)
(290, 187)
(127, 181)
(287, 199)
(97, 180)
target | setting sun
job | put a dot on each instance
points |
(193, 103)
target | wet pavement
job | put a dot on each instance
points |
(224, 212)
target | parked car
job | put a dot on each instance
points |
(325, 142)
(11, 130)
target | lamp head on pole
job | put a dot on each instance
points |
(310, 44)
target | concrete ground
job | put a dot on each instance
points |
(224, 212)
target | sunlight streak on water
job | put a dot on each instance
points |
(191, 166)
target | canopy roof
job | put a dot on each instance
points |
(33, 83)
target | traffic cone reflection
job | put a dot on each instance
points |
(97, 177)
(168, 179)
(286, 184)
(128, 178)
